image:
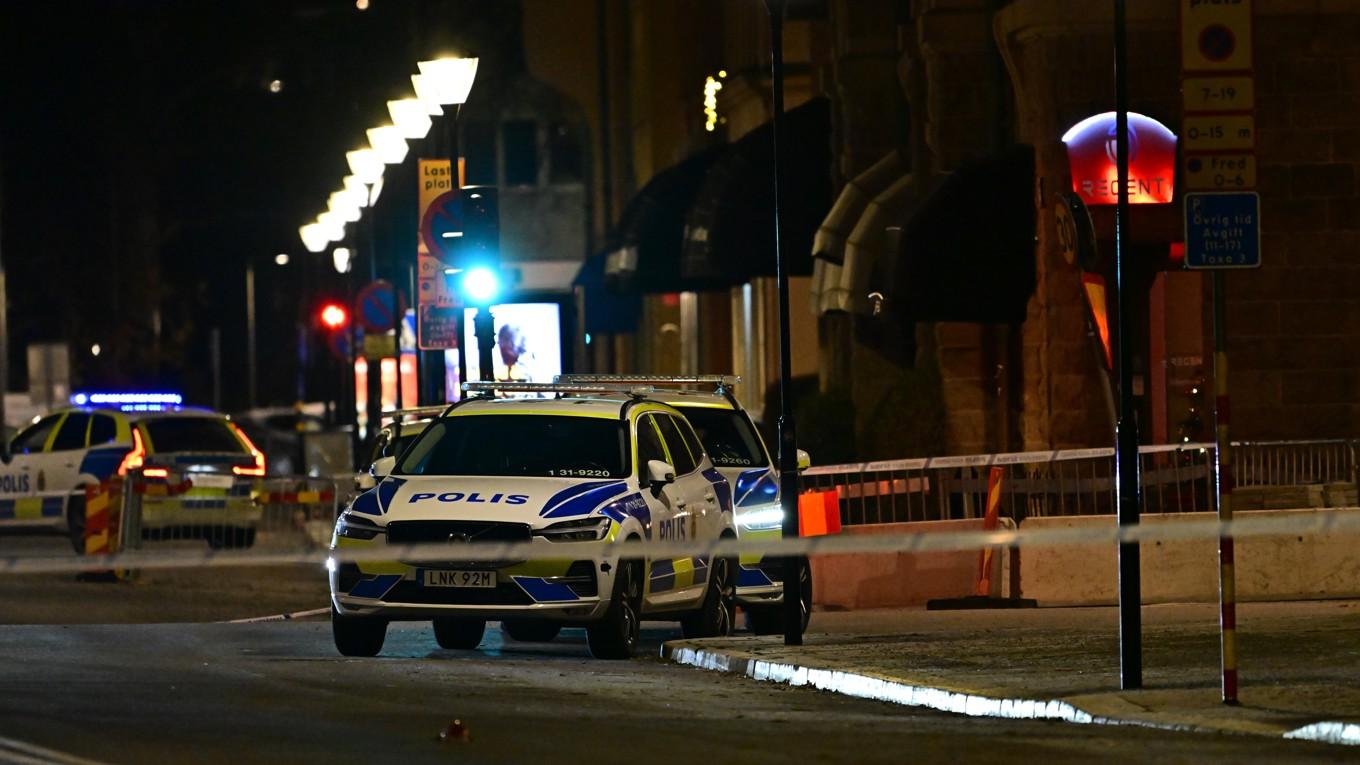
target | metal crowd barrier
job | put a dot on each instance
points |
(226, 513)
(1175, 478)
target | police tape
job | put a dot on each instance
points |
(1301, 523)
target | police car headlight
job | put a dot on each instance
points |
(352, 526)
(581, 530)
(762, 518)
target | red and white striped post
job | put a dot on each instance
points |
(1223, 473)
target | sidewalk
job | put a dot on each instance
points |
(1299, 665)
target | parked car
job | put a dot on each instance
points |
(552, 473)
(201, 465)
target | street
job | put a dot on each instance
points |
(278, 692)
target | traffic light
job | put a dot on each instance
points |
(333, 316)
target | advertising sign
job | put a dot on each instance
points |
(1091, 155)
(528, 342)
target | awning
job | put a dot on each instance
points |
(834, 280)
(729, 234)
(967, 253)
(606, 311)
(644, 248)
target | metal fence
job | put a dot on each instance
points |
(1174, 479)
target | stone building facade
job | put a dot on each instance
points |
(922, 90)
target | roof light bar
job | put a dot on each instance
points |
(127, 399)
(419, 411)
(554, 387)
(719, 381)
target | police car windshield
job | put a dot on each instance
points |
(545, 446)
(192, 434)
(727, 436)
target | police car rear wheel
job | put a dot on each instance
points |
(715, 617)
(616, 635)
(769, 620)
(357, 635)
(531, 630)
(453, 632)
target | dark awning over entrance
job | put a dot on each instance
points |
(967, 253)
(729, 236)
(644, 249)
(607, 311)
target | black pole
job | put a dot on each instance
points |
(484, 326)
(373, 394)
(788, 443)
(1126, 430)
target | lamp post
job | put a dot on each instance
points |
(442, 87)
(788, 442)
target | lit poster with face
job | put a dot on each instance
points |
(528, 342)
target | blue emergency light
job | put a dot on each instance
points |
(128, 402)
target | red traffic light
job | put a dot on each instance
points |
(334, 316)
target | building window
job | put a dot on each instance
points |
(519, 139)
(564, 155)
(479, 149)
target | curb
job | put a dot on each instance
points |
(867, 685)
(279, 617)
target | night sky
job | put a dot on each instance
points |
(146, 161)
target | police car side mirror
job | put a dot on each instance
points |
(804, 460)
(364, 481)
(383, 467)
(659, 474)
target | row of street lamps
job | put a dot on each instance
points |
(441, 82)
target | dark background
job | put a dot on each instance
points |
(144, 162)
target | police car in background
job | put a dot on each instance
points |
(739, 453)
(597, 463)
(200, 453)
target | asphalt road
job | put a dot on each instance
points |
(278, 692)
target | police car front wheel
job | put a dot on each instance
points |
(357, 635)
(616, 635)
(456, 632)
(715, 616)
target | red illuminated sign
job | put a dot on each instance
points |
(1095, 172)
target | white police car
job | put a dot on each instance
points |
(611, 466)
(195, 466)
(734, 445)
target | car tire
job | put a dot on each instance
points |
(75, 522)
(718, 611)
(616, 635)
(769, 619)
(455, 632)
(531, 630)
(358, 635)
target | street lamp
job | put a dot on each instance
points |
(447, 81)
(314, 237)
(332, 227)
(365, 164)
(344, 205)
(389, 144)
(410, 118)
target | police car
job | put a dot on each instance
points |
(194, 468)
(594, 464)
(738, 452)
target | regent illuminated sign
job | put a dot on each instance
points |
(1091, 153)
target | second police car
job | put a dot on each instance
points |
(595, 464)
(734, 445)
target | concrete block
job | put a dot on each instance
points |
(1268, 568)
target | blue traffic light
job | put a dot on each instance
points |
(481, 285)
